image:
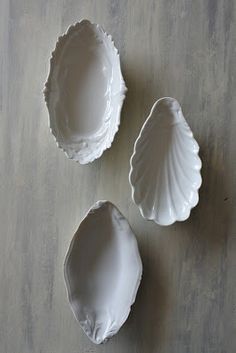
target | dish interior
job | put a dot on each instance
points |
(103, 277)
(83, 84)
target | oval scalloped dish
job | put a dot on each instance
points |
(165, 166)
(84, 92)
(102, 271)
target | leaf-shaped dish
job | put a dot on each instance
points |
(102, 271)
(165, 166)
(84, 92)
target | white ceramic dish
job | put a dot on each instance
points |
(102, 271)
(84, 92)
(165, 166)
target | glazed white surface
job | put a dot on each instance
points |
(102, 271)
(84, 92)
(165, 166)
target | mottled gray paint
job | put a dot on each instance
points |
(186, 303)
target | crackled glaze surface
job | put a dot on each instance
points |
(84, 91)
(165, 166)
(102, 271)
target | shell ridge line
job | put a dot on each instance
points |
(177, 166)
(168, 168)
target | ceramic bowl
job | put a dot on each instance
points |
(165, 165)
(102, 271)
(84, 92)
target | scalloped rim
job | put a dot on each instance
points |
(98, 204)
(132, 167)
(45, 91)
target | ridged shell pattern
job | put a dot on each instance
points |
(102, 271)
(84, 92)
(165, 166)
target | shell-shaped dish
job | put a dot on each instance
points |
(102, 271)
(84, 92)
(165, 166)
